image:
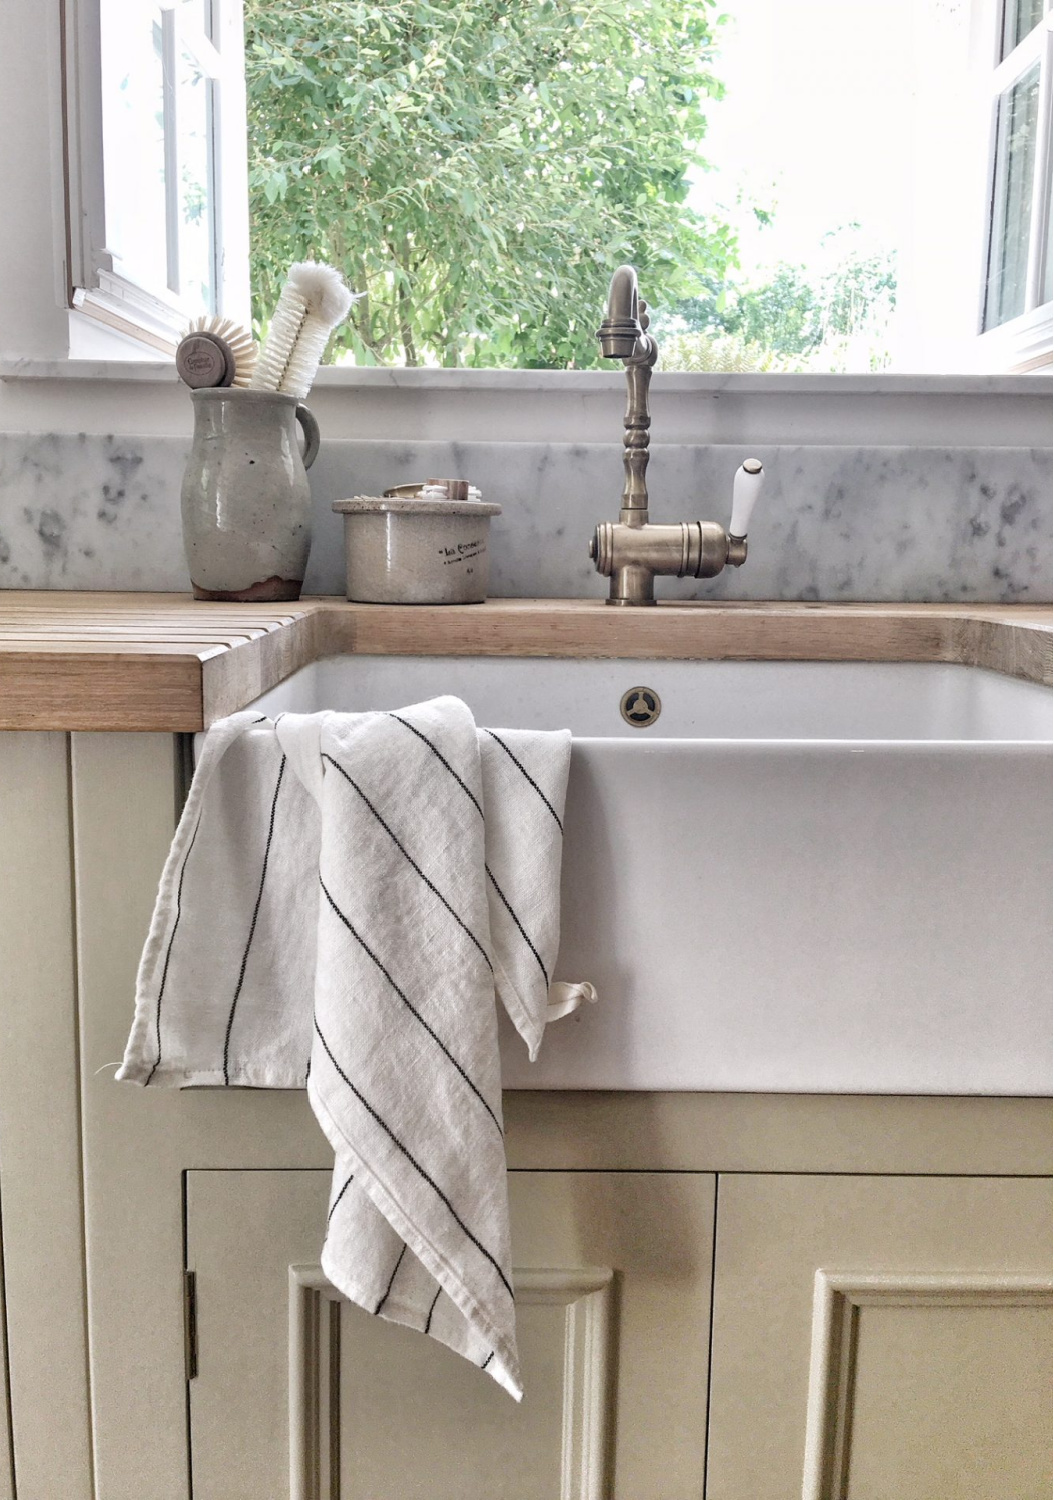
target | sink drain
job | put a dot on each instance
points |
(640, 706)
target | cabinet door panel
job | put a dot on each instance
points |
(43, 1253)
(298, 1393)
(880, 1336)
(925, 1370)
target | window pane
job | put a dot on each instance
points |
(1015, 154)
(195, 198)
(1019, 18)
(792, 201)
(197, 15)
(134, 139)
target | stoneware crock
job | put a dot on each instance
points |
(245, 498)
(402, 551)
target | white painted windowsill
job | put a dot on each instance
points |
(352, 377)
(133, 397)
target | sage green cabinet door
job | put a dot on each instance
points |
(297, 1393)
(881, 1338)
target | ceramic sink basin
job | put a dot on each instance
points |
(801, 877)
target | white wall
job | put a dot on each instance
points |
(32, 275)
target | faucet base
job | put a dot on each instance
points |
(632, 582)
(632, 556)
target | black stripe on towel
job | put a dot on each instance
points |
(252, 925)
(519, 924)
(168, 950)
(431, 1310)
(391, 1283)
(336, 1201)
(410, 860)
(440, 757)
(407, 1002)
(526, 775)
(390, 1133)
(487, 1361)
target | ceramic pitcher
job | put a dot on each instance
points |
(245, 498)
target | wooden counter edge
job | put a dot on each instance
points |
(129, 685)
(100, 691)
(986, 636)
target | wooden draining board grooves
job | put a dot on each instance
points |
(164, 662)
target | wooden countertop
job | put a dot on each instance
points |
(72, 661)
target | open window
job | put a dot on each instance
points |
(156, 168)
(1017, 292)
(158, 202)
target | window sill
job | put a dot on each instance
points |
(101, 394)
(1024, 343)
(674, 381)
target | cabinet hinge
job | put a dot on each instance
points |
(190, 1324)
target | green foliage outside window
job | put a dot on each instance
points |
(826, 316)
(479, 167)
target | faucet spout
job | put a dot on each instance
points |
(622, 333)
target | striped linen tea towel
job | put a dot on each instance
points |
(344, 897)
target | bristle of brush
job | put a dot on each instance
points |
(241, 345)
(281, 336)
(306, 357)
(313, 301)
(323, 290)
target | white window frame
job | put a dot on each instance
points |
(1026, 342)
(97, 288)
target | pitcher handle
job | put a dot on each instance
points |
(312, 437)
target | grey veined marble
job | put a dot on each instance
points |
(833, 523)
(81, 512)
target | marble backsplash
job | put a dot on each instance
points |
(86, 512)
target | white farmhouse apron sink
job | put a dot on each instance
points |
(807, 877)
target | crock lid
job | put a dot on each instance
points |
(372, 504)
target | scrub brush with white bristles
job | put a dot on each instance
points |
(215, 351)
(313, 301)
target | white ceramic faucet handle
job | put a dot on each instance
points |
(746, 487)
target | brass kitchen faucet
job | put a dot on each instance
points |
(632, 550)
